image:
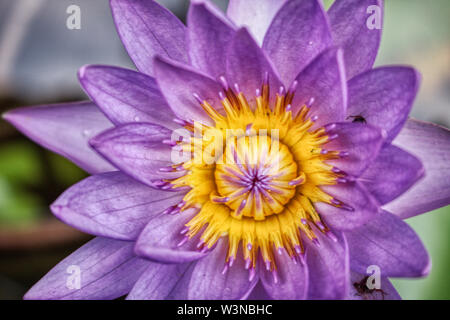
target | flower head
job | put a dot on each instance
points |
(254, 154)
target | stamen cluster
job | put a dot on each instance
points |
(261, 188)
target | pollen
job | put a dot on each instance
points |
(254, 177)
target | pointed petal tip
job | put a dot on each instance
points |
(12, 116)
(95, 142)
(56, 209)
(54, 127)
(139, 250)
(427, 269)
(82, 71)
(5, 115)
(18, 117)
(158, 59)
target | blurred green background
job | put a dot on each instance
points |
(39, 58)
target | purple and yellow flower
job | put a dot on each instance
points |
(299, 212)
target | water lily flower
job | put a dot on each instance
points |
(304, 222)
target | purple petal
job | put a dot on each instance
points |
(126, 96)
(112, 205)
(179, 84)
(360, 206)
(297, 34)
(209, 33)
(161, 239)
(292, 279)
(259, 293)
(388, 290)
(256, 15)
(209, 283)
(137, 150)
(147, 29)
(108, 270)
(64, 129)
(324, 80)
(383, 97)
(390, 244)
(328, 266)
(430, 143)
(392, 173)
(159, 281)
(361, 142)
(247, 65)
(349, 20)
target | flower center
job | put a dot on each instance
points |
(258, 179)
(260, 189)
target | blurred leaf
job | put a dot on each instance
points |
(20, 162)
(18, 207)
(65, 172)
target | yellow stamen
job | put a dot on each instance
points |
(261, 187)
